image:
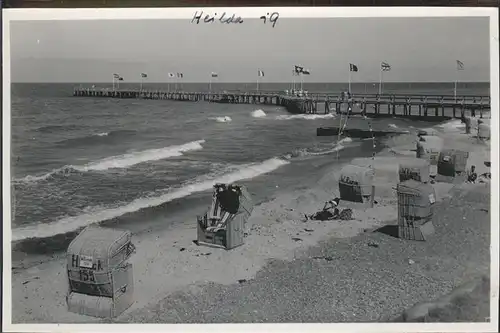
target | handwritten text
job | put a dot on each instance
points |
(273, 18)
(224, 18)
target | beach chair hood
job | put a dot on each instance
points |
(229, 199)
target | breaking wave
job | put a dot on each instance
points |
(94, 215)
(225, 119)
(319, 151)
(121, 161)
(452, 125)
(306, 116)
(258, 114)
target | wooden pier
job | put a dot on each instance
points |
(418, 107)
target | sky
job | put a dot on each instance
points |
(418, 49)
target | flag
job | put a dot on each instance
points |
(144, 75)
(306, 72)
(353, 68)
(215, 74)
(298, 69)
(460, 65)
(385, 67)
(171, 75)
(261, 73)
(120, 78)
(116, 76)
(180, 75)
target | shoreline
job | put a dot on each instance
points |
(271, 228)
(168, 215)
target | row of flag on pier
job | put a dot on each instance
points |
(299, 70)
(385, 67)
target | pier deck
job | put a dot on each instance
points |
(418, 107)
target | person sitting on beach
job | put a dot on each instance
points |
(330, 211)
(472, 175)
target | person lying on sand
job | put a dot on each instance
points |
(330, 211)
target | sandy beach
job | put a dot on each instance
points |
(289, 270)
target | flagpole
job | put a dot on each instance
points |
(301, 82)
(113, 82)
(293, 79)
(258, 76)
(142, 80)
(456, 80)
(350, 72)
(380, 83)
(210, 84)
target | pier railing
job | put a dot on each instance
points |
(417, 106)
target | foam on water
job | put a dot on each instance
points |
(340, 145)
(225, 119)
(121, 161)
(258, 113)
(306, 116)
(98, 214)
(452, 126)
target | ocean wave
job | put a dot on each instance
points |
(393, 126)
(306, 116)
(258, 114)
(225, 119)
(100, 214)
(120, 161)
(452, 126)
(97, 138)
(304, 152)
(58, 128)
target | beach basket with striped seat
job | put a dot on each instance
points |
(416, 169)
(415, 210)
(100, 279)
(356, 184)
(224, 224)
(452, 162)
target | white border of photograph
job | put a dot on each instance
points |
(249, 13)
